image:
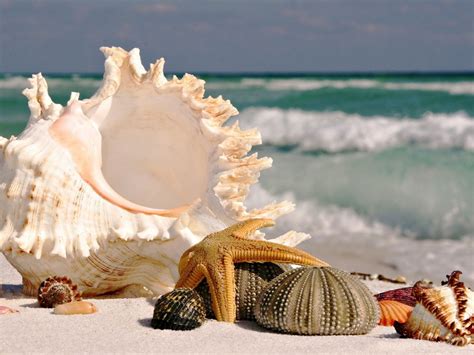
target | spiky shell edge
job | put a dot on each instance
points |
(235, 171)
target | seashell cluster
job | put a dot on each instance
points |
(444, 313)
(180, 309)
(250, 280)
(397, 305)
(317, 301)
(112, 189)
(57, 290)
(75, 307)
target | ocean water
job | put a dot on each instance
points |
(362, 155)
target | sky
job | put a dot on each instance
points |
(240, 36)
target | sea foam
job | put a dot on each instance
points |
(338, 131)
(335, 228)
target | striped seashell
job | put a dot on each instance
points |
(444, 313)
(317, 301)
(250, 280)
(57, 290)
(393, 311)
(180, 309)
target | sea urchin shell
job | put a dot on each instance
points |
(444, 313)
(250, 280)
(180, 309)
(57, 290)
(317, 301)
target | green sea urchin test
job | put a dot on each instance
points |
(317, 301)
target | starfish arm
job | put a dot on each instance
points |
(262, 251)
(191, 276)
(185, 259)
(222, 286)
(246, 228)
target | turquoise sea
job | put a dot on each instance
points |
(385, 153)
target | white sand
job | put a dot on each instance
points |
(122, 326)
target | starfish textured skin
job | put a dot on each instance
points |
(214, 257)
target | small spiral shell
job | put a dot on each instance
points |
(317, 301)
(57, 290)
(180, 309)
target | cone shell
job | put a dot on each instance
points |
(180, 309)
(393, 311)
(112, 189)
(444, 313)
(57, 290)
(250, 280)
(317, 301)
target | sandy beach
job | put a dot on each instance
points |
(122, 326)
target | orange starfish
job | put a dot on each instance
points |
(214, 257)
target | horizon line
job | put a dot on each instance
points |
(277, 73)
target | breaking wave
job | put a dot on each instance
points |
(353, 237)
(337, 131)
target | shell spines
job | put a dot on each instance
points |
(57, 290)
(442, 313)
(53, 221)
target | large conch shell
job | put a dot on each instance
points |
(111, 190)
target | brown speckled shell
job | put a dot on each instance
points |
(250, 280)
(317, 301)
(180, 309)
(444, 313)
(57, 290)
